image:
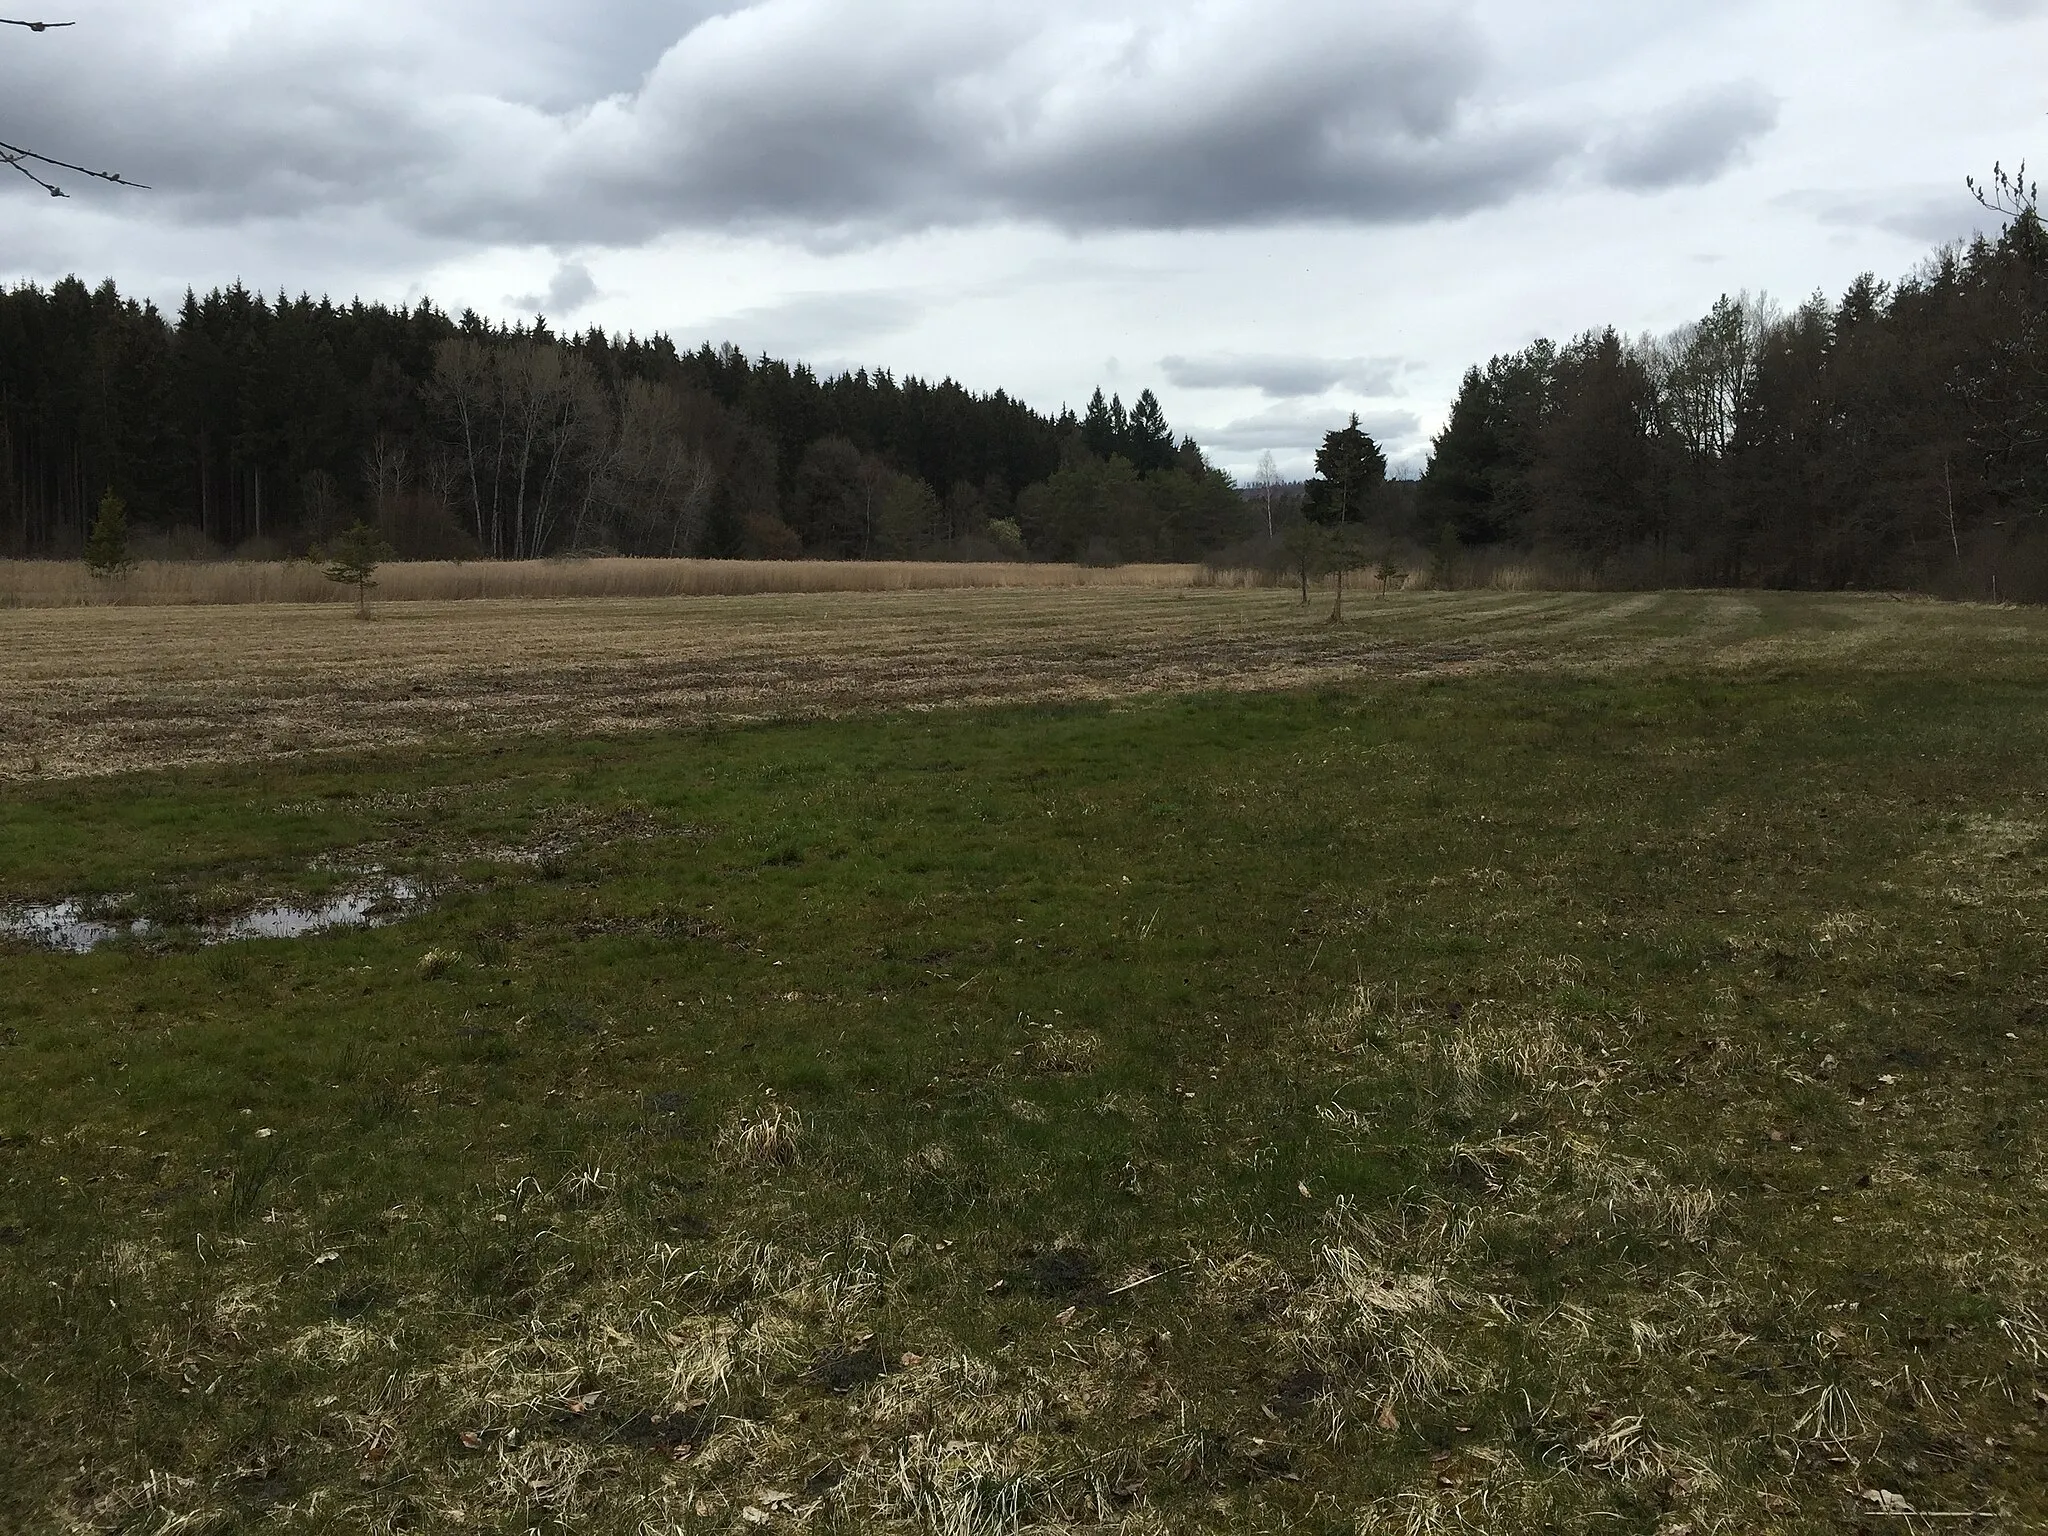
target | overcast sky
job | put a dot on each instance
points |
(1273, 212)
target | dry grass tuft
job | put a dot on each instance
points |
(935, 1161)
(1064, 1054)
(771, 1136)
(437, 962)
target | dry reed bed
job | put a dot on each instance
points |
(67, 584)
(101, 690)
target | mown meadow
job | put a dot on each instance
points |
(1594, 1097)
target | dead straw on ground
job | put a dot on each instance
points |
(87, 691)
(162, 583)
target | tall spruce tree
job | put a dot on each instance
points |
(1098, 431)
(1150, 439)
(1458, 485)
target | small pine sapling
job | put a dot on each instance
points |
(1304, 543)
(106, 547)
(352, 561)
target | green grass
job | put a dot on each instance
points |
(1501, 1103)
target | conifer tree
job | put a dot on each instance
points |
(1098, 431)
(106, 548)
(1458, 487)
(1151, 439)
(352, 561)
(1350, 469)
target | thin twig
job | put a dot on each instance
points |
(1929, 1514)
(14, 155)
(1148, 1279)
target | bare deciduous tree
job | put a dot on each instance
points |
(1703, 371)
(1267, 482)
(2008, 194)
(648, 482)
(522, 409)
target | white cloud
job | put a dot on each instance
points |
(1290, 429)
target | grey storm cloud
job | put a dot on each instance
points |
(569, 290)
(1691, 142)
(886, 115)
(1286, 378)
(860, 118)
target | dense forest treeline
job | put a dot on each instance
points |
(246, 423)
(1896, 438)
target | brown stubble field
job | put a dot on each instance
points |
(92, 691)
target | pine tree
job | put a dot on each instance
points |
(1151, 439)
(1457, 488)
(352, 561)
(1350, 469)
(1098, 432)
(106, 549)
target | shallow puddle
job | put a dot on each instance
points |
(72, 927)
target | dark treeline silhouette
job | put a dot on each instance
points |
(1897, 438)
(259, 425)
(1125, 489)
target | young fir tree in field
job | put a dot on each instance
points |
(106, 547)
(352, 561)
(1350, 469)
(1304, 545)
